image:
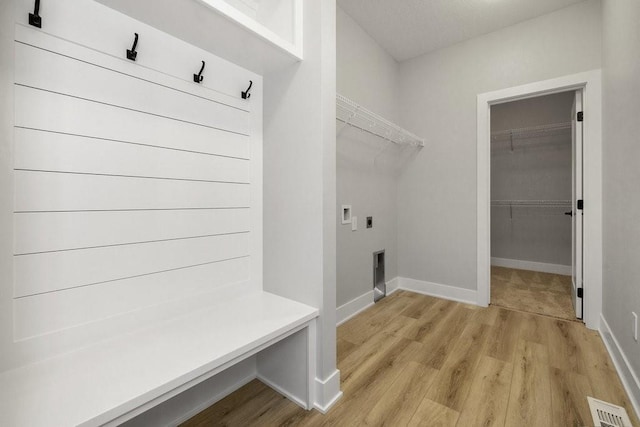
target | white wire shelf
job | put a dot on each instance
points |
(353, 114)
(555, 129)
(533, 203)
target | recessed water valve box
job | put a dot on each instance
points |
(346, 214)
(379, 283)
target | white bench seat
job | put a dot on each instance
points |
(116, 379)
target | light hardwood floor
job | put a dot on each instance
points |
(533, 292)
(417, 360)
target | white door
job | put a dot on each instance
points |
(577, 204)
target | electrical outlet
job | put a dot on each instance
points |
(635, 326)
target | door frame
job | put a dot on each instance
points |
(591, 84)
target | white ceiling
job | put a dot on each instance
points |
(408, 28)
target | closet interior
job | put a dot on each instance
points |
(531, 193)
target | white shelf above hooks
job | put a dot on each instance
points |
(353, 114)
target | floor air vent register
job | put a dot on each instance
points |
(606, 414)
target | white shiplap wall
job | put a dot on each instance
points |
(137, 191)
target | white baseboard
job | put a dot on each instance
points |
(453, 293)
(532, 266)
(364, 301)
(327, 392)
(353, 307)
(625, 371)
(361, 303)
(392, 285)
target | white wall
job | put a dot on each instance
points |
(366, 165)
(437, 191)
(537, 168)
(621, 91)
(299, 181)
(6, 176)
(366, 73)
(101, 222)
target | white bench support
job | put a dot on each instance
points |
(289, 366)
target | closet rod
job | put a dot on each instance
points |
(532, 203)
(533, 131)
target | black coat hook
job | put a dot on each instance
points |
(34, 18)
(198, 77)
(131, 53)
(246, 94)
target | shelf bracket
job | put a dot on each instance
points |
(347, 122)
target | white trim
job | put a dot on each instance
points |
(626, 373)
(590, 83)
(260, 30)
(393, 285)
(327, 392)
(532, 266)
(353, 307)
(359, 304)
(452, 293)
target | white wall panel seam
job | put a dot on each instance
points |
(133, 176)
(160, 147)
(58, 113)
(134, 210)
(133, 243)
(40, 191)
(131, 109)
(48, 71)
(46, 232)
(40, 273)
(62, 290)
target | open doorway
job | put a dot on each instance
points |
(536, 174)
(590, 84)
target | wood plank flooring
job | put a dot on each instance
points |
(414, 360)
(532, 291)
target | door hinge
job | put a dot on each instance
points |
(580, 116)
(580, 204)
(580, 292)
